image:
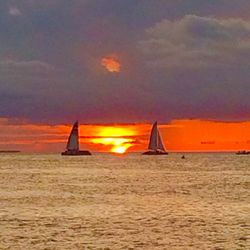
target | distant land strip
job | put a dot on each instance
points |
(10, 151)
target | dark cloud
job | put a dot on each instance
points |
(51, 53)
(14, 11)
(11, 65)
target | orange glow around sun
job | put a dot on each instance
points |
(111, 63)
(178, 135)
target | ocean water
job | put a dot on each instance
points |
(125, 202)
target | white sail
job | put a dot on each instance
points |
(153, 138)
(73, 143)
(155, 142)
(160, 145)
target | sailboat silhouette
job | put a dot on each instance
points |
(72, 147)
(155, 145)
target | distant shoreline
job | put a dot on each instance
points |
(9, 151)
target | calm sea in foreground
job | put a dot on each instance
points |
(125, 202)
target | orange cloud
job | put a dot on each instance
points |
(111, 63)
(45, 138)
(200, 135)
(178, 135)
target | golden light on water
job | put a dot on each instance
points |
(111, 63)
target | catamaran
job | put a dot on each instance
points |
(155, 145)
(73, 143)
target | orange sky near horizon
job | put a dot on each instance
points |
(178, 135)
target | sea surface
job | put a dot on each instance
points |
(107, 201)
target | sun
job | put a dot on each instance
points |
(117, 139)
(118, 145)
(119, 150)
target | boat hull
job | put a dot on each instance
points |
(76, 153)
(155, 153)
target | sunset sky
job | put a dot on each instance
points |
(119, 65)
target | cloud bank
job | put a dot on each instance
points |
(195, 41)
(192, 60)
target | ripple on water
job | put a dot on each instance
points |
(134, 202)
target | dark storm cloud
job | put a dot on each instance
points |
(51, 51)
(206, 65)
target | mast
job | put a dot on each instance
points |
(73, 142)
